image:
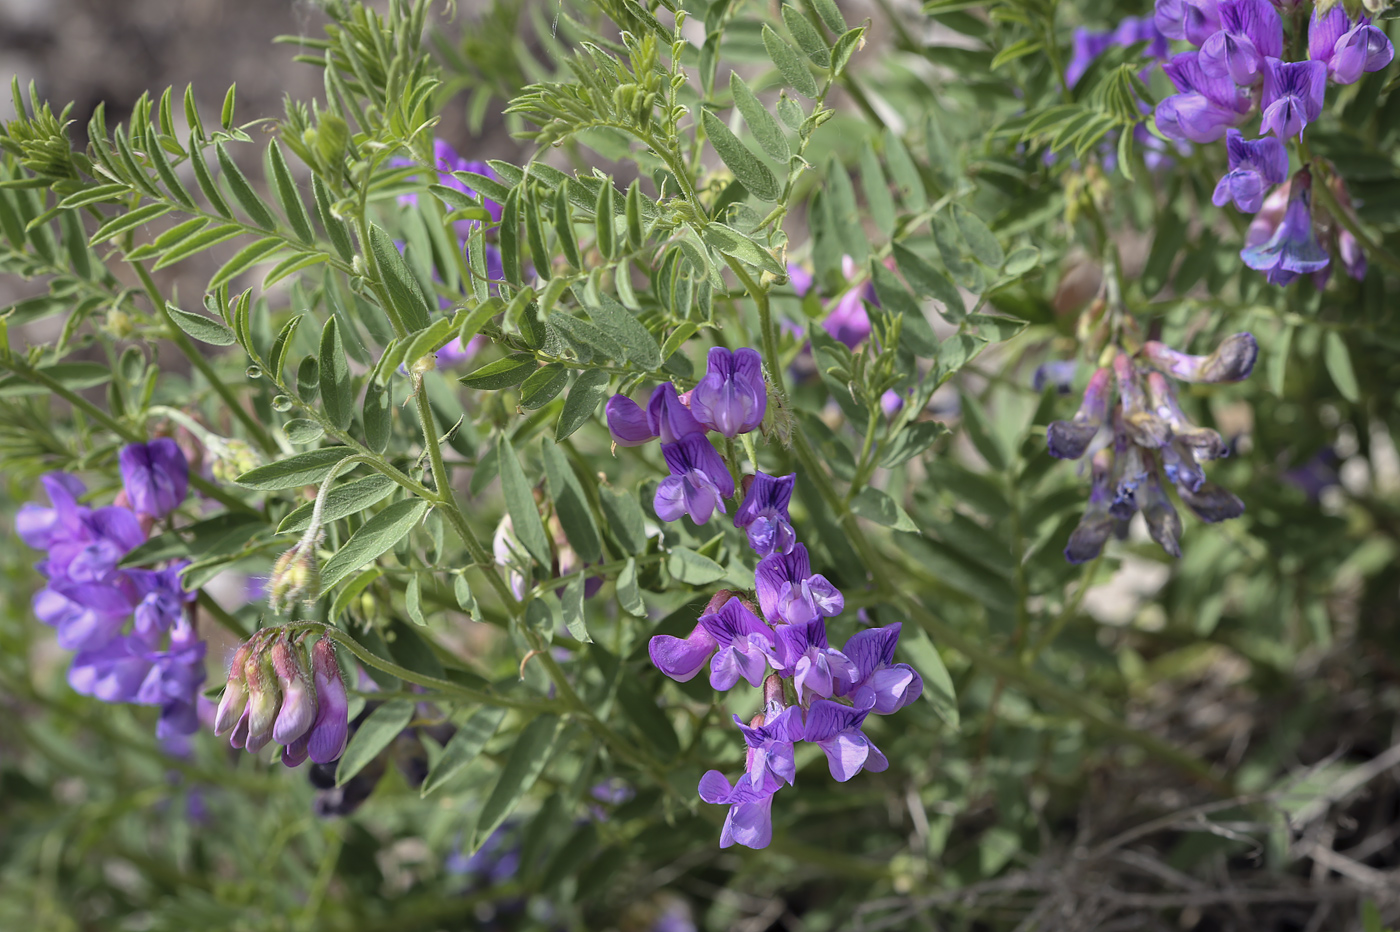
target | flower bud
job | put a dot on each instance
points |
(1087, 540)
(328, 734)
(263, 699)
(235, 697)
(1069, 440)
(298, 697)
(1163, 523)
(1232, 361)
(774, 697)
(1203, 440)
(236, 458)
(1144, 426)
(296, 576)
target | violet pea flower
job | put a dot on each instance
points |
(790, 593)
(745, 645)
(1293, 95)
(1250, 31)
(331, 729)
(1348, 50)
(669, 418)
(750, 818)
(1191, 20)
(800, 279)
(835, 729)
(113, 672)
(1232, 361)
(770, 747)
(105, 535)
(732, 397)
(174, 680)
(42, 528)
(879, 684)
(1255, 165)
(86, 616)
(1206, 107)
(1087, 539)
(764, 514)
(163, 598)
(627, 422)
(699, 481)
(155, 476)
(1069, 440)
(298, 711)
(816, 667)
(682, 658)
(1292, 248)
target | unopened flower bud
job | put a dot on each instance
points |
(1163, 523)
(330, 731)
(235, 697)
(298, 697)
(774, 697)
(236, 458)
(1143, 425)
(1232, 361)
(263, 699)
(296, 577)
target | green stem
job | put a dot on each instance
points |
(221, 615)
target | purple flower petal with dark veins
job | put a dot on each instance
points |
(1191, 20)
(732, 397)
(815, 667)
(764, 514)
(155, 475)
(1348, 50)
(1293, 95)
(879, 684)
(41, 527)
(745, 645)
(627, 422)
(770, 747)
(668, 418)
(1250, 31)
(331, 729)
(788, 591)
(113, 672)
(1255, 165)
(1293, 248)
(835, 729)
(699, 481)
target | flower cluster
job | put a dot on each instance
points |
(1237, 71)
(288, 691)
(133, 639)
(833, 691)
(1145, 437)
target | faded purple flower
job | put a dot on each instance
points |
(1255, 165)
(1211, 503)
(1058, 373)
(1088, 538)
(699, 481)
(815, 666)
(764, 514)
(745, 645)
(1068, 440)
(1205, 442)
(1191, 20)
(835, 729)
(1163, 523)
(155, 475)
(1293, 95)
(879, 684)
(1292, 248)
(1348, 49)
(788, 591)
(732, 397)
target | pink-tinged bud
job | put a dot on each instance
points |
(1068, 440)
(263, 699)
(1232, 361)
(774, 696)
(298, 698)
(1203, 440)
(328, 734)
(1144, 426)
(717, 601)
(235, 698)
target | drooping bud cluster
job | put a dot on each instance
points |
(129, 627)
(833, 691)
(1238, 71)
(289, 691)
(1144, 438)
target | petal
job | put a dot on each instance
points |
(669, 503)
(714, 788)
(627, 422)
(845, 754)
(682, 659)
(750, 824)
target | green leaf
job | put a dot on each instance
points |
(1278, 360)
(692, 568)
(619, 323)
(877, 189)
(72, 375)
(405, 297)
(129, 220)
(344, 500)
(938, 685)
(527, 759)
(464, 747)
(904, 173)
(375, 734)
(508, 237)
(760, 122)
(915, 332)
(427, 341)
(910, 442)
(793, 69)
(605, 221)
(623, 517)
(243, 191)
(287, 195)
(520, 503)
(198, 243)
(830, 14)
(1023, 259)
(807, 37)
(543, 384)
(979, 431)
(204, 329)
(751, 172)
(588, 390)
(571, 504)
(374, 538)
(378, 416)
(639, 705)
(980, 240)
(244, 259)
(1338, 360)
(226, 112)
(303, 430)
(502, 373)
(337, 395)
(875, 505)
(845, 47)
(629, 595)
(733, 243)
(572, 601)
(307, 468)
(351, 590)
(413, 601)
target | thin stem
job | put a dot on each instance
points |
(221, 615)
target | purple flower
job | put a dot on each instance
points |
(745, 645)
(770, 746)
(155, 475)
(879, 684)
(681, 659)
(1068, 440)
(732, 397)
(1128, 473)
(162, 599)
(699, 481)
(1250, 31)
(174, 680)
(789, 593)
(331, 729)
(1292, 249)
(113, 672)
(1232, 361)
(1211, 503)
(1205, 442)
(835, 729)
(448, 161)
(1293, 93)
(848, 320)
(1255, 164)
(1163, 523)
(668, 417)
(1191, 20)
(1348, 50)
(1141, 423)
(298, 711)
(627, 422)
(750, 819)
(1059, 373)
(800, 279)
(816, 667)
(1206, 107)
(42, 528)
(453, 352)
(1089, 45)
(85, 616)
(1353, 259)
(764, 514)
